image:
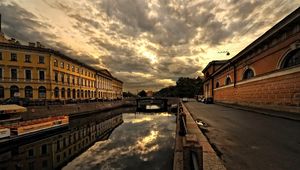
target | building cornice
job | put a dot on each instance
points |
(292, 17)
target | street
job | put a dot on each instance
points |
(249, 140)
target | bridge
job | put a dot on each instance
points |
(149, 104)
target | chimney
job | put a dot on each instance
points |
(38, 44)
(31, 44)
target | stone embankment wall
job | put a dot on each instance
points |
(192, 141)
(35, 112)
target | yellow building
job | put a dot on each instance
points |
(35, 72)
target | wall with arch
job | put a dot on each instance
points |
(271, 86)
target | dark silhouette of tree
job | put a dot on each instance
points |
(185, 87)
(142, 93)
(128, 94)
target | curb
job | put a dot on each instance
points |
(210, 159)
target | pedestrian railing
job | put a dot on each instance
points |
(192, 156)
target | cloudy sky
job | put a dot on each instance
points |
(148, 44)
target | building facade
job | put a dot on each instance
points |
(40, 73)
(266, 74)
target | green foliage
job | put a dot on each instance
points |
(185, 87)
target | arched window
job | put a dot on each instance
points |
(217, 84)
(1, 92)
(85, 92)
(74, 94)
(78, 93)
(56, 92)
(81, 93)
(227, 81)
(42, 92)
(291, 59)
(63, 92)
(69, 93)
(28, 92)
(248, 74)
(14, 90)
(89, 94)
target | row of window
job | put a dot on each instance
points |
(28, 90)
(27, 74)
(291, 59)
(27, 58)
(72, 67)
(80, 81)
(78, 93)
(247, 75)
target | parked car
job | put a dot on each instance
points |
(203, 100)
(18, 101)
(184, 99)
(209, 100)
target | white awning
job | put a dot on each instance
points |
(12, 108)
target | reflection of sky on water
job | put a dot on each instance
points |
(143, 141)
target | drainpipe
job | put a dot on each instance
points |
(234, 75)
(212, 82)
(0, 24)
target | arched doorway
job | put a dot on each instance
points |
(14, 90)
(42, 92)
(28, 92)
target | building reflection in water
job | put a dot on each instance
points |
(55, 151)
(143, 141)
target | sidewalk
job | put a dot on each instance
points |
(210, 159)
(280, 114)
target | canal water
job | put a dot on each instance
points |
(143, 141)
(119, 139)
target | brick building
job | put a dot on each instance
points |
(266, 74)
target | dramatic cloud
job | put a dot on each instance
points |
(148, 44)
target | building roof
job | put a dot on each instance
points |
(218, 62)
(292, 18)
(104, 72)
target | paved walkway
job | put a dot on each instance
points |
(249, 140)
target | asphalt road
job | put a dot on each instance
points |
(249, 140)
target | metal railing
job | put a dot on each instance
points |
(192, 151)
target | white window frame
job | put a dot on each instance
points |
(17, 74)
(2, 69)
(25, 75)
(39, 75)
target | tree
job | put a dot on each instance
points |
(142, 93)
(185, 87)
(128, 94)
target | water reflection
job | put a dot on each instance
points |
(143, 141)
(108, 140)
(56, 150)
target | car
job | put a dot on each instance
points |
(203, 100)
(18, 101)
(184, 99)
(209, 100)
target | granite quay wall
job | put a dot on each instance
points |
(73, 110)
(192, 149)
